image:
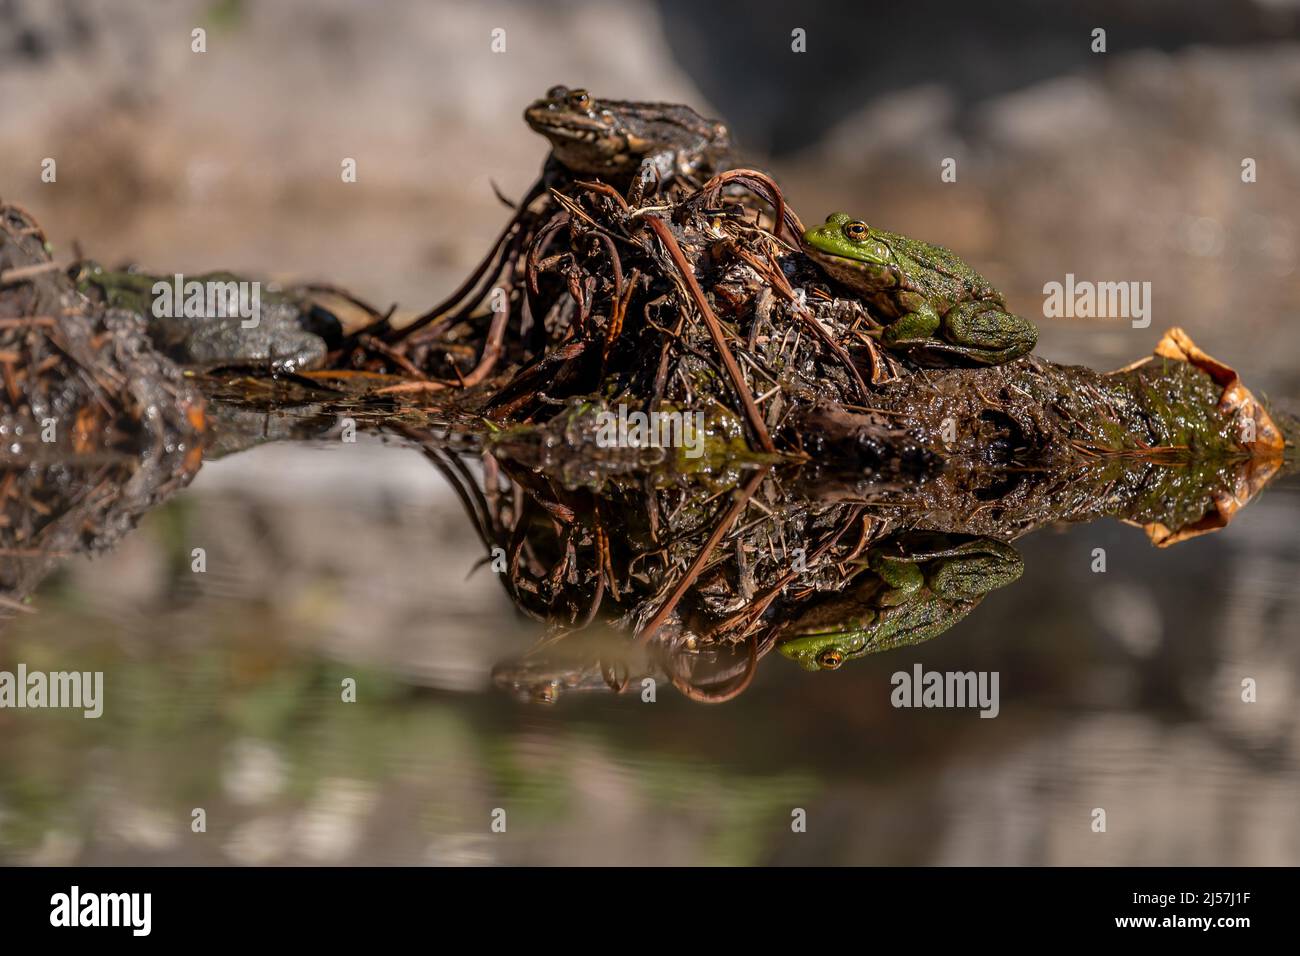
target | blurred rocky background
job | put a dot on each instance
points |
(1119, 690)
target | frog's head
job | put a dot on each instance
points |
(594, 137)
(822, 652)
(818, 645)
(842, 235)
(851, 250)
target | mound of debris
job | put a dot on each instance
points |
(96, 426)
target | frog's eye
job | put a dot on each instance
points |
(829, 659)
(856, 231)
(580, 99)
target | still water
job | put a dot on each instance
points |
(1119, 691)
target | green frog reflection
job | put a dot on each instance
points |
(919, 586)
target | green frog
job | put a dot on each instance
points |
(921, 585)
(277, 340)
(644, 144)
(937, 306)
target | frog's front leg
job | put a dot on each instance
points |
(903, 576)
(655, 170)
(913, 328)
(985, 333)
(980, 566)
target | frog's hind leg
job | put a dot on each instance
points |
(985, 332)
(989, 565)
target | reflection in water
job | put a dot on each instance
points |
(224, 703)
(223, 693)
(693, 578)
(710, 572)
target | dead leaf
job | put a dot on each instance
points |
(1256, 431)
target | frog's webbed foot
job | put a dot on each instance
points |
(986, 334)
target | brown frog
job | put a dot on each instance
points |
(647, 145)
